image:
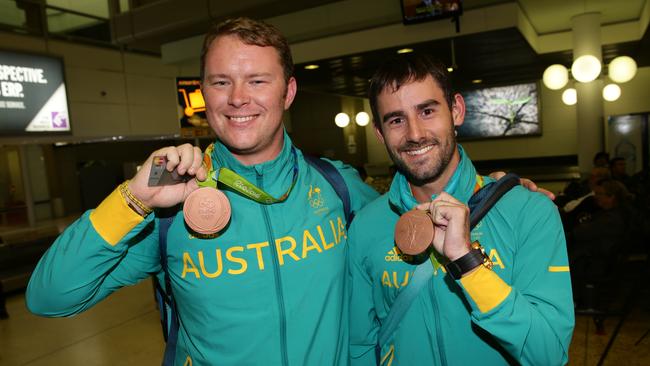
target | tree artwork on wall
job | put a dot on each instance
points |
(501, 111)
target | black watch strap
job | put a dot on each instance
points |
(466, 263)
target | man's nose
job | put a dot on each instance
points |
(238, 95)
(415, 131)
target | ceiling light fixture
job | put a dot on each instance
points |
(570, 96)
(362, 118)
(586, 68)
(453, 57)
(342, 120)
(311, 67)
(611, 92)
(622, 69)
(555, 77)
(404, 50)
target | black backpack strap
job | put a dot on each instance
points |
(479, 204)
(482, 201)
(337, 182)
(165, 299)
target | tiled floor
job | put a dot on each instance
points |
(122, 330)
(125, 330)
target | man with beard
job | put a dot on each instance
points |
(518, 311)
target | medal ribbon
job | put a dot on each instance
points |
(238, 183)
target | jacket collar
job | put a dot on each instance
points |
(461, 185)
(277, 170)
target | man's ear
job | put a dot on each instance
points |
(458, 109)
(292, 87)
(380, 137)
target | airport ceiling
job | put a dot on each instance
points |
(495, 57)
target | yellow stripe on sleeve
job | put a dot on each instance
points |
(486, 288)
(558, 268)
(113, 218)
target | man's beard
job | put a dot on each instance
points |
(420, 176)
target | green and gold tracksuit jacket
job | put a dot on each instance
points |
(270, 289)
(519, 312)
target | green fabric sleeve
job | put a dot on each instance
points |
(80, 268)
(535, 322)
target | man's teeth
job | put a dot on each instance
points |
(241, 119)
(419, 151)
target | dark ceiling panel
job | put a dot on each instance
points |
(498, 57)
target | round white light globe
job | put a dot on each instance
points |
(611, 92)
(362, 119)
(570, 96)
(342, 119)
(586, 68)
(622, 69)
(555, 77)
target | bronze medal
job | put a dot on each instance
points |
(207, 210)
(414, 232)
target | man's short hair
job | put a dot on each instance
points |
(404, 69)
(617, 189)
(601, 155)
(251, 32)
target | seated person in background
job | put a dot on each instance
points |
(599, 238)
(574, 210)
(601, 159)
(618, 170)
(578, 188)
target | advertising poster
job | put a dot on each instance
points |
(33, 97)
(511, 110)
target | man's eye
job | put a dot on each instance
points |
(395, 121)
(219, 83)
(427, 111)
(258, 82)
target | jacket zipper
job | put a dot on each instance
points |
(277, 277)
(436, 311)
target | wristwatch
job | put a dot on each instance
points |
(476, 257)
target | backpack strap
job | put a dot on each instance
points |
(479, 204)
(335, 179)
(165, 299)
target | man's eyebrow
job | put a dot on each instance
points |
(427, 103)
(390, 115)
(220, 76)
(259, 74)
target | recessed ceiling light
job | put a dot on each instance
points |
(477, 81)
(450, 69)
(405, 50)
(311, 67)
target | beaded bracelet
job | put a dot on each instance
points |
(130, 198)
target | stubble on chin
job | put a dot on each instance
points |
(425, 173)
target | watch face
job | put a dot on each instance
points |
(487, 262)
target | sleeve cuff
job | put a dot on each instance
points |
(485, 288)
(113, 218)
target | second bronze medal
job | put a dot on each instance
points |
(413, 235)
